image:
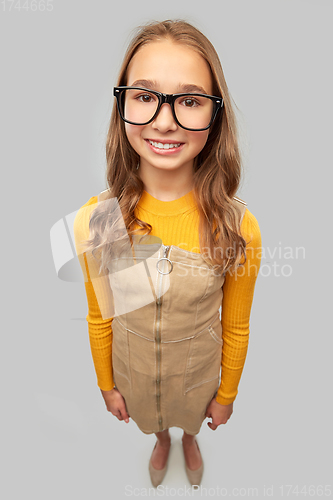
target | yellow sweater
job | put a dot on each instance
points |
(176, 223)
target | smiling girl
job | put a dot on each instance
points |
(162, 325)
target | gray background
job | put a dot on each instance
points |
(57, 73)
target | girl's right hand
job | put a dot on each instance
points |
(115, 403)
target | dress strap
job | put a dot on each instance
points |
(241, 205)
(103, 195)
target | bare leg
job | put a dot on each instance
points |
(161, 452)
(191, 452)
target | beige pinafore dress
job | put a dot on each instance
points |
(167, 334)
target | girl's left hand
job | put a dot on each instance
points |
(219, 414)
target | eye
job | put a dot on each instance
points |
(189, 102)
(146, 98)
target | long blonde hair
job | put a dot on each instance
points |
(217, 168)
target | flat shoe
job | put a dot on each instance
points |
(194, 476)
(157, 475)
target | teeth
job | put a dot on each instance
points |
(164, 146)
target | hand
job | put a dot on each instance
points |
(115, 404)
(219, 414)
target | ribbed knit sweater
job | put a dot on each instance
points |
(177, 223)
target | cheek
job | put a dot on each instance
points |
(133, 133)
(199, 139)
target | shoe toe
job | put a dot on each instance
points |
(157, 475)
(194, 476)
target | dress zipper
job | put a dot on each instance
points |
(158, 342)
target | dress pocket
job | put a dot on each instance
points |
(120, 354)
(204, 357)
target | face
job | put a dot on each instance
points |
(168, 67)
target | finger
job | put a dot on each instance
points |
(118, 415)
(124, 414)
(212, 426)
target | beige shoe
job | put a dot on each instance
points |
(194, 476)
(157, 475)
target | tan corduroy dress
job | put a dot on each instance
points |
(167, 334)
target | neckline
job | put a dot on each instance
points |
(185, 203)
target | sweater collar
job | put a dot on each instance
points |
(186, 203)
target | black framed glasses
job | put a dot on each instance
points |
(191, 111)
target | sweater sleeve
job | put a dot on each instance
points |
(99, 298)
(238, 292)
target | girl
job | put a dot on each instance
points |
(168, 244)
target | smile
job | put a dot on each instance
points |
(159, 145)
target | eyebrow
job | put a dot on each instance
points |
(185, 87)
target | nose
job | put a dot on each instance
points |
(165, 121)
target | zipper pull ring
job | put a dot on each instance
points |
(166, 249)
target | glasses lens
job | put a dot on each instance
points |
(192, 111)
(138, 106)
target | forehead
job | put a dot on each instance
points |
(169, 65)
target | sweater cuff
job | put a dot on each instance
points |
(106, 387)
(224, 401)
(105, 381)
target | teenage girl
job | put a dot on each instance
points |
(157, 331)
